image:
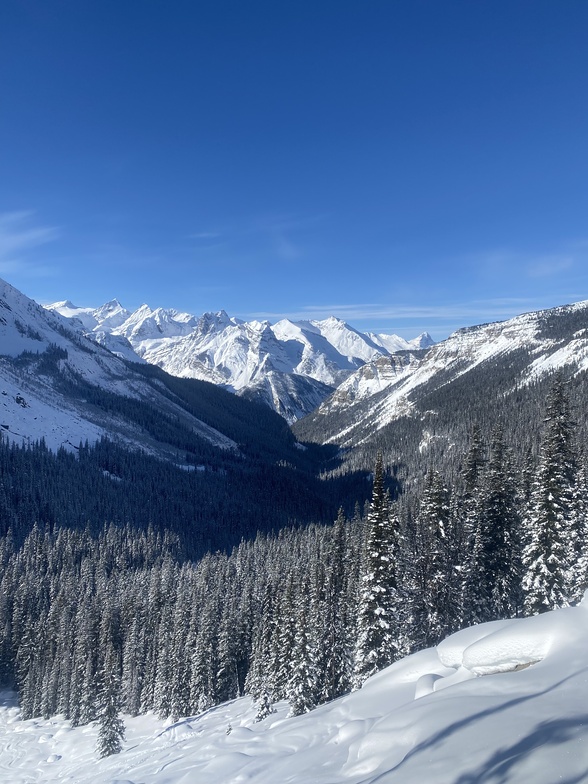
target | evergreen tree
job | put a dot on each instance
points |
(496, 568)
(377, 624)
(577, 578)
(335, 643)
(432, 577)
(111, 730)
(301, 688)
(546, 557)
(264, 705)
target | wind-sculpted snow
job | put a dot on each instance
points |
(500, 703)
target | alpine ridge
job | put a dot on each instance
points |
(291, 366)
(417, 402)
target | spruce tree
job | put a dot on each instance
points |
(264, 705)
(432, 577)
(546, 557)
(111, 730)
(335, 642)
(301, 688)
(376, 617)
(496, 568)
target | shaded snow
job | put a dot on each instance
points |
(430, 718)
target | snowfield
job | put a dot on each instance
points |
(501, 702)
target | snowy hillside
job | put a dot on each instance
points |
(524, 348)
(290, 366)
(47, 369)
(499, 703)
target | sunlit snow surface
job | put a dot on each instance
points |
(501, 702)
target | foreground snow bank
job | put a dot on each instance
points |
(428, 719)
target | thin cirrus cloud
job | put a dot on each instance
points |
(19, 236)
(501, 260)
(281, 235)
(205, 235)
(485, 309)
(549, 265)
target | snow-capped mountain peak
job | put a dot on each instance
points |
(213, 322)
(424, 340)
(315, 356)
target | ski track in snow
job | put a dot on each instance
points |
(499, 703)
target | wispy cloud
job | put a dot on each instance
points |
(205, 235)
(19, 236)
(455, 312)
(281, 236)
(498, 262)
(547, 266)
(285, 231)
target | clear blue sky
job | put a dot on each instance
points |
(405, 165)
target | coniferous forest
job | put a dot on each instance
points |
(117, 617)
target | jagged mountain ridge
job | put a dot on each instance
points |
(290, 366)
(414, 400)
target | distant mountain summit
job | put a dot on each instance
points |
(291, 366)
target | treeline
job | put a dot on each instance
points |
(92, 624)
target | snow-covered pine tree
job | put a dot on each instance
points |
(546, 557)
(301, 688)
(180, 662)
(465, 510)
(495, 564)
(260, 677)
(578, 577)
(432, 578)
(377, 607)
(264, 705)
(111, 732)
(283, 641)
(204, 664)
(335, 644)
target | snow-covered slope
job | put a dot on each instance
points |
(528, 346)
(45, 365)
(500, 703)
(290, 366)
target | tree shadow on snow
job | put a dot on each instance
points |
(496, 768)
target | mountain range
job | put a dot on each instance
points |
(291, 366)
(182, 454)
(414, 404)
(417, 407)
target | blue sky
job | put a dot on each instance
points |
(405, 165)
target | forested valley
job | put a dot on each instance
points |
(101, 619)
